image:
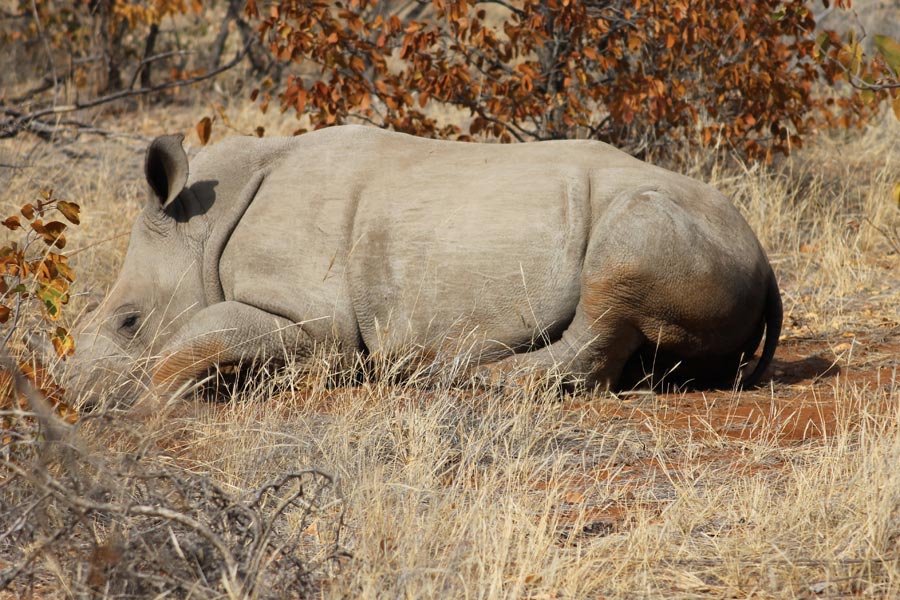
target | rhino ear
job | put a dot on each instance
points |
(166, 168)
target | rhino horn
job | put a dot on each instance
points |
(166, 167)
(186, 363)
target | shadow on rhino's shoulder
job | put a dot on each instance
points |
(196, 200)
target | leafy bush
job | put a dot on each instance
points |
(636, 73)
(34, 289)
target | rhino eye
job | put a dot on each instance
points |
(129, 324)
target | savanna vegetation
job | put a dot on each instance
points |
(299, 484)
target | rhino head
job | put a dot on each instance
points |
(160, 285)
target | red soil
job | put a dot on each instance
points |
(801, 405)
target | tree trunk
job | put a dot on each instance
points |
(149, 45)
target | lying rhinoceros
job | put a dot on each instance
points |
(564, 255)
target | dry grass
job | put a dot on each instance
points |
(791, 491)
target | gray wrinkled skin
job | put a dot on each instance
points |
(568, 256)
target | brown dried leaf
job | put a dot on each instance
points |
(55, 228)
(204, 130)
(51, 233)
(70, 211)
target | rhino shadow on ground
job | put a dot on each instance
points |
(797, 371)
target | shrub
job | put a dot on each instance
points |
(34, 289)
(638, 73)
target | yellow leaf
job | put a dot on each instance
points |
(222, 115)
(896, 194)
(850, 56)
(889, 50)
(65, 271)
(63, 343)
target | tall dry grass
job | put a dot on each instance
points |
(459, 493)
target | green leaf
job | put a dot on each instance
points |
(889, 49)
(53, 300)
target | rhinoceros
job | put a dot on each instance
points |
(565, 256)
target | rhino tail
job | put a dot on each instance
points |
(773, 314)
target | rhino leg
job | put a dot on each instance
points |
(589, 353)
(659, 279)
(227, 333)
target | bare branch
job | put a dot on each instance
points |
(887, 236)
(152, 59)
(45, 85)
(20, 121)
